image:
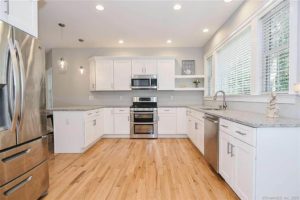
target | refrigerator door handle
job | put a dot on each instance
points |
(16, 80)
(22, 76)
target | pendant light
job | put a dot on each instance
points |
(62, 63)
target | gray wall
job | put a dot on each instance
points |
(242, 14)
(72, 88)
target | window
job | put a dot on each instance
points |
(234, 65)
(275, 70)
(209, 75)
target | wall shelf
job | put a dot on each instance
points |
(189, 76)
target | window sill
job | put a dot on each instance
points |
(282, 98)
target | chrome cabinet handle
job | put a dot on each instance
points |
(228, 146)
(94, 122)
(224, 126)
(7, 7)
(15, 156)
(241, 133)
(17, 187)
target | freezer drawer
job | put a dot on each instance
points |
(21, 159)
(29, 186)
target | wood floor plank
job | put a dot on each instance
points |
(113, 169)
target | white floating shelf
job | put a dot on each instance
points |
(189, 89)
(188, 76)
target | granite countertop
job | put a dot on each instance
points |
(251, 119)
(86, 108)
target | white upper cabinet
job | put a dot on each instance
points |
(144, 66)
(22, 14)
(92, 63)
(104, 74)
(122, 74)
(166, 74)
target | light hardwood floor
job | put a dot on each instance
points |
(136, 169)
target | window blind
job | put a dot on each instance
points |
(275, 27)
(234, 65)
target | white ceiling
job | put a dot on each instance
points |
(139, 23)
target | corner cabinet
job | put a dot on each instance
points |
(22, 14)
(196, 128)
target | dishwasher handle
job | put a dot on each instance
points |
(211, 119)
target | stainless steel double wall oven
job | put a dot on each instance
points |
(143, 117)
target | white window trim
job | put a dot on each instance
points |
(256, 76)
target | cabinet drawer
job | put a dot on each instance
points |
(196, 114)
(31, 185)
(121, 110)
(244, 133)
(167, 110)
(22, 159)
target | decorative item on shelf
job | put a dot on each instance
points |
(273, 108)
(196, 82)
(188, 67)
(297, 88)
(62, 65)
(81, 70)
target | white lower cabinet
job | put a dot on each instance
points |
(89, 134)
(167, 118)
(108, 121)
(181, 121)
(122, 121)
(196, 129)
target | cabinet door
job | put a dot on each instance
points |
(104, 75)
(150, 66)
(199, 135)
(167, 124)
(225, 160)
(89, 132)
(244, 169)
(23, 14)
(166, 74)
(138, 67)
(100, 125)
(181, 121)
(92, 64)
(3, 10)
(122, 74)
(108, 121)
(122, 124)
(190, 126)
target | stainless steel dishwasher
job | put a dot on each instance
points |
(211, 140)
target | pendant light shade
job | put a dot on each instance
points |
(62, 65)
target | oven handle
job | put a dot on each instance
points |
(134, 112)
(144, 123)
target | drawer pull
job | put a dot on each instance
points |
(18, 186)
(228, 147)
(241, 133)
(15, 156)
(224, 126)
(231, 152)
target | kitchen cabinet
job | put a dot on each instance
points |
(92, 65)
(225, 158)
(104, 75)
(167, 121)
(181, 121)
(166, 74)
(122, 75)
(89, 134)
(144, 66)
(122, 121)
(108, 121)
(99, 123)
(22, 14)
(196, 129)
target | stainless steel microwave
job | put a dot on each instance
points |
(144, 82)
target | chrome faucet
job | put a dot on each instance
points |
(224, 106)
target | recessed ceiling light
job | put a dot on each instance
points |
(177, 7)
(99, 7)
(205, 30)
(121, 41)
(169, 41)
(227, 1)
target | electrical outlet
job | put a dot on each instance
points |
(91, 97)
(121, 98)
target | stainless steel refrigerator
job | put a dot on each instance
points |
(23, 142)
